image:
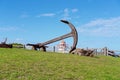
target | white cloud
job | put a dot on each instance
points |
(18, 40)
(101, 27)
(67, 14)
(74, 10)
(63, 14)
(47, 15)
(24, 16)
(4, 29)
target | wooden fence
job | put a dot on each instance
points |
(105, 51)
(97, 51)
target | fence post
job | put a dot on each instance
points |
(106, 51)
(96, 52)
(53, 48)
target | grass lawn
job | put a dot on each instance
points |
(20, 64)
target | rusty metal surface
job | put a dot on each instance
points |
(73, 34)
(5, 45)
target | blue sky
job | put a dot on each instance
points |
(34, 21)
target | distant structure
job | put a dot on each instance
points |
(4, 45)
(62, 47)
(4, 42)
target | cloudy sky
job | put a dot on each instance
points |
(34, 21)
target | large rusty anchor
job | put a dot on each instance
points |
(73, 34)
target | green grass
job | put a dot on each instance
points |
(20, 64)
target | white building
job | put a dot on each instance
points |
(62, 47)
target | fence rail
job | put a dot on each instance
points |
(105, 51)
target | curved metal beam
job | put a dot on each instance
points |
(74, 34)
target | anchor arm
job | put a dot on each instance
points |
(74, 34)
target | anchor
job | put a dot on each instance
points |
(4, 45)
(73, 34)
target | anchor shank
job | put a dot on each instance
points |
(56, 39)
